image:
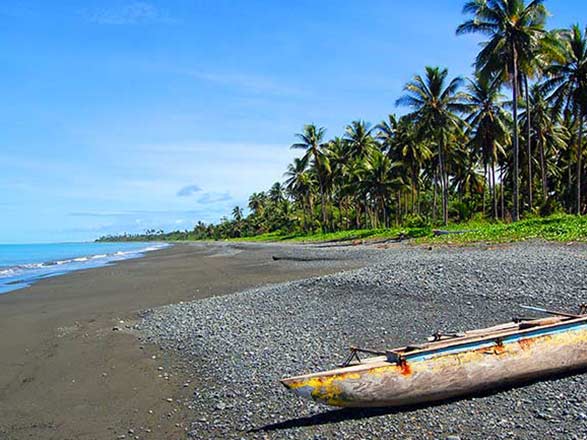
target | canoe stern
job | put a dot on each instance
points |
(328, 389)
(343, 387)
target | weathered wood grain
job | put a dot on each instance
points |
(446, 370)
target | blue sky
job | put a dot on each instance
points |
(122, 115)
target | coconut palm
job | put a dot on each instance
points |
(257, 202)
(414, 153)
(549, 136)
(464, 166)
(275, 193)
(237, 213)
(238, 216)
(299, 184)
(381, 183)
(515, 30)
(360, 141)
(488, 127)
(312, 142)
(386, 132)
(567, 79)
(338, 153)
(436, 103)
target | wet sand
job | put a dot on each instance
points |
(67, 373)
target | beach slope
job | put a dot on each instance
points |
(71, 365)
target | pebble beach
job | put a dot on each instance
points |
(238, 346)
(192, 340)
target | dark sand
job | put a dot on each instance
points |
(66, 374)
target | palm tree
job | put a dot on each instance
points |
(311, 140)
(360, 145)
(275, 193)
(414, 153)
(547, 133)
(359, 138)
(464, 166)
(237, 214)
(257, 203)
(399, 140)
(338, 154)
(488, 127)
(353, 188)
(567, 79)
(299, 183)
(436, 103)
(386, 132)
(381, 183)
(515, 30)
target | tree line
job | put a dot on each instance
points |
(505, 143)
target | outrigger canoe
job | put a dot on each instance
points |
(453, 365)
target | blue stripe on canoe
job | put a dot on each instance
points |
(491, 342)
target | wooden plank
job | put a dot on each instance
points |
(492, 335)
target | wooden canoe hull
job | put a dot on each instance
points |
(453, 373)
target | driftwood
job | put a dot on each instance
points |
(438, 232)
(357, 241)
(286, 258)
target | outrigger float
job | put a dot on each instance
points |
(454, 365)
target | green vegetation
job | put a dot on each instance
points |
(462, 152)
(558, 227)
(561, 227)
(350, 235)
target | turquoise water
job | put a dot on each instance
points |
(23, 264)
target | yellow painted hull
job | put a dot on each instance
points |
(379, 383)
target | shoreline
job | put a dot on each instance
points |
(72, 366)
(16, 275)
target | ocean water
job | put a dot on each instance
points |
(23, 264)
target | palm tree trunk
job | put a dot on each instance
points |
(417, 195)
(543, 170)
(502, 194)
(413, 192)
(347, 219)
(382, 207)
(515, 174)
(366, 202)
(579, 162)
(332, 218)
(435, 197)
(323, 207)
(443, 183)
(487, 179)
(303, 202)
(399, 208)
(494, 189)
(529, 142)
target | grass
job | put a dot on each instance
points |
(354, 234)
(559, 227)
